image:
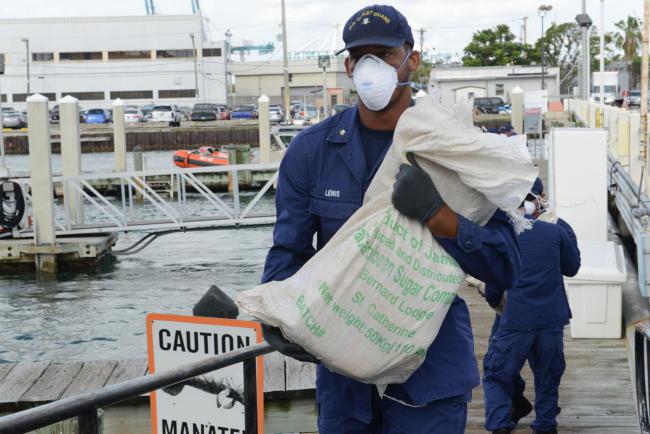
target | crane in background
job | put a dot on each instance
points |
(150, 6)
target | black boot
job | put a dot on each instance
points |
(521, 407)
(553, 431)
(502, 431)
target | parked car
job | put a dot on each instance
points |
(146, 111)
(132, 114)
(13, 120)
(306, 114)
(505, 109)
(634, 98)
(338, 108)
(224, 112)
(276, 114)
(205, 112)
(55, 116)
(488, 105)
(98, 116)
(166, 113)
(186, 112)
(248, 111)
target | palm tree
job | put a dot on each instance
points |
(629, 40)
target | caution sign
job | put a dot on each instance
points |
(226, 401)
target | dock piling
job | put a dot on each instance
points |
(138, 165)
(264, 129)
(41, 182)
(71, 153)
(517, 100)
(119, 135)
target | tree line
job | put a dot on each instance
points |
(499, 46)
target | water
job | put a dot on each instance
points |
(101, 314)
(93, 162)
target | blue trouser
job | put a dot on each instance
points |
(445, 416)
(506, 355)
(520, 384)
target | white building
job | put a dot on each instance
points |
(253, 79)
(458, 84)
(140, 59)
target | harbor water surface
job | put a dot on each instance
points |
(100, 314)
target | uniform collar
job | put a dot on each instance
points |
(346, 134)
(346, 126)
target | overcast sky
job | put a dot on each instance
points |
(449, 24)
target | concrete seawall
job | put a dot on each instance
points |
(149, 137)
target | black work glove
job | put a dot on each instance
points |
(274, 337)
(414, 193)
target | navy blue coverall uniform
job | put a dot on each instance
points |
(323, 178)
(531, 326)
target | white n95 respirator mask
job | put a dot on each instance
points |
(529, 207)
(376, 80)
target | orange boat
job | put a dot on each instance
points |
(205, 156)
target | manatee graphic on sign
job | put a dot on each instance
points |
(210, 403)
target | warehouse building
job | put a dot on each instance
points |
(252, 79)
(140, 59)
(460, 84)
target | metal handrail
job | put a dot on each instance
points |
(41, 416)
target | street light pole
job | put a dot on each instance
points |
(542, 11)
(285, 59)
(226, 57)
(602, 61)
(196, 76)
(26, 41)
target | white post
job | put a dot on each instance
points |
(40, 168)
(119, 136)
(635, 139)
(623, 138)
(71, 154)
(4, 172)
(517, 104)
(264, 129)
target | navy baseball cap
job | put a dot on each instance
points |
(377, 25)
(538, 187)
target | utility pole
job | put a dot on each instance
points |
(584, 21)
(602, 61)
(643, 149)
(196, 75)
(524, 29)
(421, 31)
(4, 173)
(285, 56)
(226, 58)
(26, 41)
(542, 11)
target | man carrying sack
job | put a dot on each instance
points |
(322, 181)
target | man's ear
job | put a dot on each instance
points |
(348, 71)
(414, 61)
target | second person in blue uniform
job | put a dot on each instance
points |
(531, 327)
(322, 181)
